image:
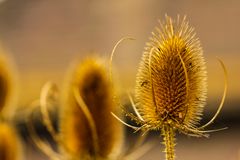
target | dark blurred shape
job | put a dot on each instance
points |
(34, 116)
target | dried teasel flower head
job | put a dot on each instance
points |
(171, 84)
(87, 126)
(171, 81)
(9, 143)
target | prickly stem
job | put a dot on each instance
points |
(169, 142)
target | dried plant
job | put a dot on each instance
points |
(7, 87)
(171, 85)
(48, 99)
(87, 129)
(10, 148)
(86, 122)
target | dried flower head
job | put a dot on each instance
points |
(87, 127)
(171, 81)
(87, 130)
(6, 86)
(9, 143)
(171, 84)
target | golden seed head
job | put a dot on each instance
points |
(91, 80)
(171, 80)
(6, 86)
(9, 143)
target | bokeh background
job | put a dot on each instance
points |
(44, 37)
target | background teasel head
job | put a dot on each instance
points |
(87, 127)
(7, 86)
(10, 147)
(9, 143)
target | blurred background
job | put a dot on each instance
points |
(44, 37)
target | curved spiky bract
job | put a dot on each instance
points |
(171, 80)
(89, 86)
(9, 143)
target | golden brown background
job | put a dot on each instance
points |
(45, 36)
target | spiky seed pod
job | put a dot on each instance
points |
(7, 87)
(91, 81)
(9, 143)
(171, 81)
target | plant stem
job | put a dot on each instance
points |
(169, 142)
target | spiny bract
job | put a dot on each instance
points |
(90, 79)
(171, 81)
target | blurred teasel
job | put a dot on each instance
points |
(87, 129)
(8, 86)
(10, 146)
(171, 85)
(86, 125)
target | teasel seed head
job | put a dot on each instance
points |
(10, 148)
(171, 80)
(171, 85)
(91, 131)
